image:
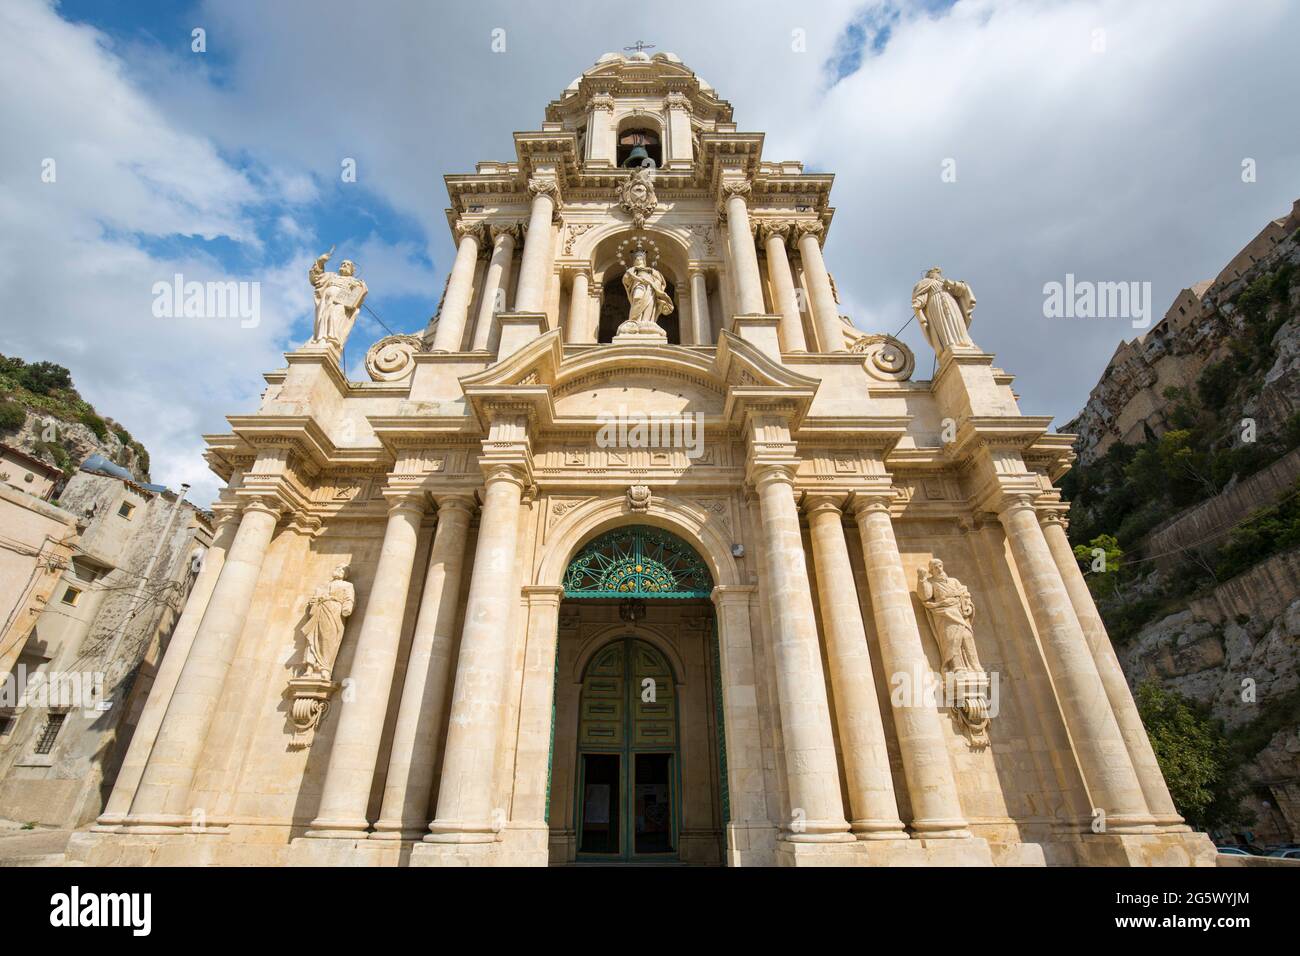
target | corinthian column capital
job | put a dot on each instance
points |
(808, 227)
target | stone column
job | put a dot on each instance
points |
(774, 235)
(1134, 733)
(577, 325)
(700, 307)
(460, 288)
(744, 257)
(465, 812)
(355, 750)
(931, 785)
(750, 834)
(536, 699)
(826, 314)
(496, 284)
(164, 792)
(536, 265)
(811, 767)
(1107, 769)
(416, 737)
(857, 708)
(164, 684)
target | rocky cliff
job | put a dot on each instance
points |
(42, 414)
(1186, 482)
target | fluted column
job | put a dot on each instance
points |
(460, 288)
(744, 257)
(1152, 781)
(811, 768)
(409, 783)
(163, 795)
(577, 325)
(169, 672)
(857, 708)
(536, 265)
(826, 314)
(496, 283)
(1103, 757)
(355, 749)
(774, 236)
(700, 307)
(931, 785)
(465, 811)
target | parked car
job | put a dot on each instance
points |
(1287, 854)
(1234, 851)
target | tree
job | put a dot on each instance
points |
(1194, 757)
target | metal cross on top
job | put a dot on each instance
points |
(639, 46)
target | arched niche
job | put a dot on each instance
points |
(608, 269)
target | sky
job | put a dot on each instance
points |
(1011, 143)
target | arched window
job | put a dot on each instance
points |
(632, 141)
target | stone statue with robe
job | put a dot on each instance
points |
(949, 606)
(338, 299)
(944, 308)
(648, 297)
(326, 611)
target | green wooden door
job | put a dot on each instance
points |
(628, 778)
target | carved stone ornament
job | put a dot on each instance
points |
(636, 195)
(950, 610)
(887, 358)
(391, 359)
(638, 497)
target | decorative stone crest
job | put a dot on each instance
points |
(314, 686)
(391, 359)
(950, 610)
(887, 358)
(639, 497)
(636, 195)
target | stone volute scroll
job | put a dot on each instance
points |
(944, 307)
(886, 358)
(327, 610)
(951, 611)
(392, 359)
(338, 299)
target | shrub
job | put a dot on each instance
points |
(12, 416)
(95, 424)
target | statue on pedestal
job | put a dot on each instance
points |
(647, 293)
(950, 609)
(325, 613)
(944, 308)
(338, 299)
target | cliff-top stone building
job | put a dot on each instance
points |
(641, 551)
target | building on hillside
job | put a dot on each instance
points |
(28, 473)
(1128, 403)
(640, 552)
(83, 664)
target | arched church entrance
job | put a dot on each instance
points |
(638, 757)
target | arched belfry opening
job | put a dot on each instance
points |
(638, 757)
(637, 145)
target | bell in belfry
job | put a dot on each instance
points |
(638, 157)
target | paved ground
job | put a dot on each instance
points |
(37, 847)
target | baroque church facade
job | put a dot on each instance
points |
(640, 552)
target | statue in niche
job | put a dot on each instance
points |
(647, 293)
(338, 299)
(944, 308)
(326, 611)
